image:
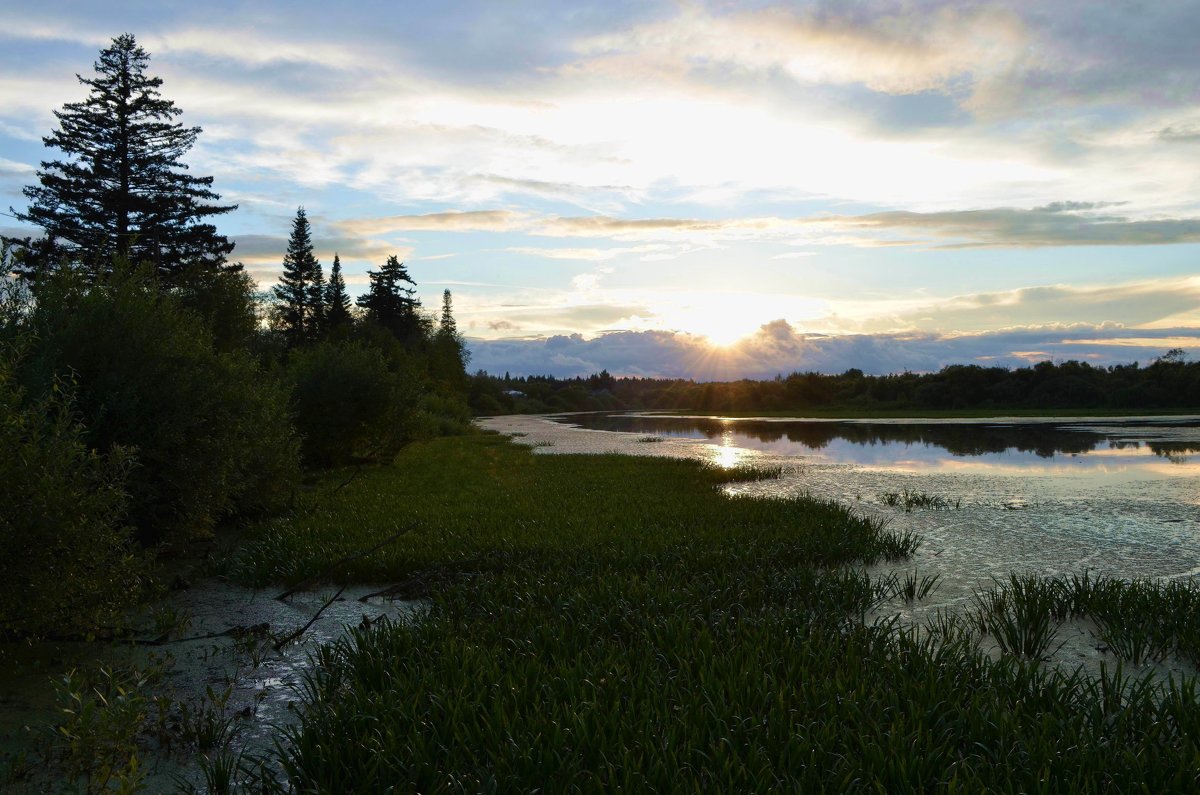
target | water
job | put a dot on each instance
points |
(262, 683)
(1116, 497)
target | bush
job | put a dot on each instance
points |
(210, 429)
(67, 565)
(226, 302)
(349, 403)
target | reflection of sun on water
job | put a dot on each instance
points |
(727, 454)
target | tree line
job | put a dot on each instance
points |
(1169, 382)
(148, 392)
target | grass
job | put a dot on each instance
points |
(602, 622)
(1139, 621)
(481, 504)
(913, 500)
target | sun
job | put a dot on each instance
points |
(723, 319)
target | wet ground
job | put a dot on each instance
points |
(223, 640)
(1114, 497)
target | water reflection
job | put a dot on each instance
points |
(1168, 446)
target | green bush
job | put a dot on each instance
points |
(66, 565)
(210, 429)
(350, 402)
(226, 302)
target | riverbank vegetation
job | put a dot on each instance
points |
(598, 622)
(152, 394)
(1170, 383)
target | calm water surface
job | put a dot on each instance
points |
(1118, 497)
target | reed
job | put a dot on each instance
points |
(599, 623)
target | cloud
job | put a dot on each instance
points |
(1139, 304)
(454, 221)
(250, 47)
(649, 252)
(889, 49)
(1059, 224)
(780, 348)
(1187, 134)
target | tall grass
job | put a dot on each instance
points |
(602, 623)
(1139, 621)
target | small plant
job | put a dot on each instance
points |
(102, 714)
(913, 589)
(912, 500)
(1021, 616)
(650, 439)
(171, 620)
(206, 724)
(220, 770)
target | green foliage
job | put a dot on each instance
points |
(102, 715)
(337, 302)
(350, 402)
(210, 429)
(393, 306)
(66, 565)
(299, 308)
(227, 302)
(448, 354)
(121, 189)
(956, 390)
(599, 623)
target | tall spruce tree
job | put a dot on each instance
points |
(337, 302)
(294, 312)
(392, 305)
(122, 190)
(449, 359)
(318, 310)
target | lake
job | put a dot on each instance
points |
(1117, 497)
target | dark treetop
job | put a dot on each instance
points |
(121, 189)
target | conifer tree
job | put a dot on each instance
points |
(446, 326)
(121, 190)
(392, 305)
(294, 314)
(337, 302)
(449, 360)
(317, 310)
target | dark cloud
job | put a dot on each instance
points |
(1144, 53)
(1185, 134)
(269, 249)
(1060, 223)
(1057, 224)
(779, 348)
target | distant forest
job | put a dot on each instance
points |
(1170, 382)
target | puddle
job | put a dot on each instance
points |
(227, 646)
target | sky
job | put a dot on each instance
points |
(690, 189)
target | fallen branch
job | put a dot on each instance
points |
(318, 577)
(280, 644)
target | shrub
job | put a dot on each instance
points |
(210, 429)
(66, 565)
(349, 403)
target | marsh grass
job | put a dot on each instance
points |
(914, 500)
(913, 587)
(602, 623)
(1139, 621)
